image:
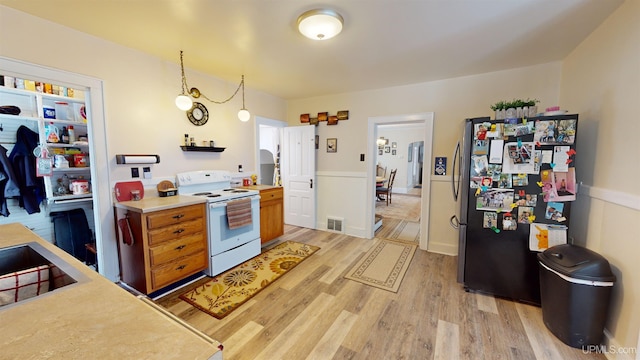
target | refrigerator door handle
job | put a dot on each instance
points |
(455, 187)
(454, 222)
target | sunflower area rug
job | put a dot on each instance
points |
(227, 291)
(384, 265)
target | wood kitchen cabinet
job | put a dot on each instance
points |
(271, 211)
(168, 245)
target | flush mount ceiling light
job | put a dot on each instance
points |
(184, 102)
(320, 24)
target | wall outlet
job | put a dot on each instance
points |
(135, 172)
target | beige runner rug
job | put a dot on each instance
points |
(384, 265)
(396, 229)
(407, 231)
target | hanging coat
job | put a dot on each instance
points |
(8, 182)
(24, 167)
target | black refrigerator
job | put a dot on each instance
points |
(514, 180)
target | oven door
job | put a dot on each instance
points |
(221, 238)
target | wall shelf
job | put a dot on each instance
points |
(202, 148)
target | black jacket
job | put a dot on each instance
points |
(8, 182)
(24, 167)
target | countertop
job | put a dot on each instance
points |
(154, 203)
(92, 319)
(259, 187)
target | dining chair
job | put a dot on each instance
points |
(386, 190)
(381, 171)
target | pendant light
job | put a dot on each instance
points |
(184, 101)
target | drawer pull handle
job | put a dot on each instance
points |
(181, 247)
(179, 231)
(181, 267)
(179, 216)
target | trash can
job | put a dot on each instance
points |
(575, 288)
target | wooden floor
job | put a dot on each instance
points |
(313, 312)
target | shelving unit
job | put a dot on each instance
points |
(202, 148)
(32, 105)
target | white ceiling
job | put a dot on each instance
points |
(384, 42)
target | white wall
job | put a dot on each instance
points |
(452, 100)
(601, 82)
(139, 94)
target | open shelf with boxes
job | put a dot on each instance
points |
(58, 115)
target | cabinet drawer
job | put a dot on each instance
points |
(178, 269)
(175, 249)
(271, 194)
(174, 216)
(179, 230)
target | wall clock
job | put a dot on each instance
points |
(198, 114)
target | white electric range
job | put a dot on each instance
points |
(227, 247)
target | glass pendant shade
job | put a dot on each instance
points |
(244, 115)
(183, 102)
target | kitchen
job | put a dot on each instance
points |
(149, 101)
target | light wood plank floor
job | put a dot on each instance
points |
(313, 312)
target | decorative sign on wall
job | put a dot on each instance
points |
(324, 116)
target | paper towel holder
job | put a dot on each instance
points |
(137, 159)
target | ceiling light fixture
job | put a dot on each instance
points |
(320, 24)
(184, 102)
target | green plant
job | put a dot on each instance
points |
(515, 103)
(500, 105)
(531, 102)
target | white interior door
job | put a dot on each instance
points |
(299, 176)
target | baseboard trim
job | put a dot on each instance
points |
(442, 248)
(613, 351)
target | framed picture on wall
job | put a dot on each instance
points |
(387, 149)
(393, 152)
(380, 151)
(394, 144)
(332, 145)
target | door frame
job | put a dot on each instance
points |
(372, 134)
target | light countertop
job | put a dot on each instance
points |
(154, 203)
(92, 319)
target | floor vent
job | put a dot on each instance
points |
(335, 224)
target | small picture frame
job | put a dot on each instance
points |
(343, 115)
(394, 144)
(333, 120)
(304, 118)
(322, 116)
(387, 149)
(393, 152)
(380, 151)
(332, 145)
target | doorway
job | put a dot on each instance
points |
(374, 127)
(268, 135)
